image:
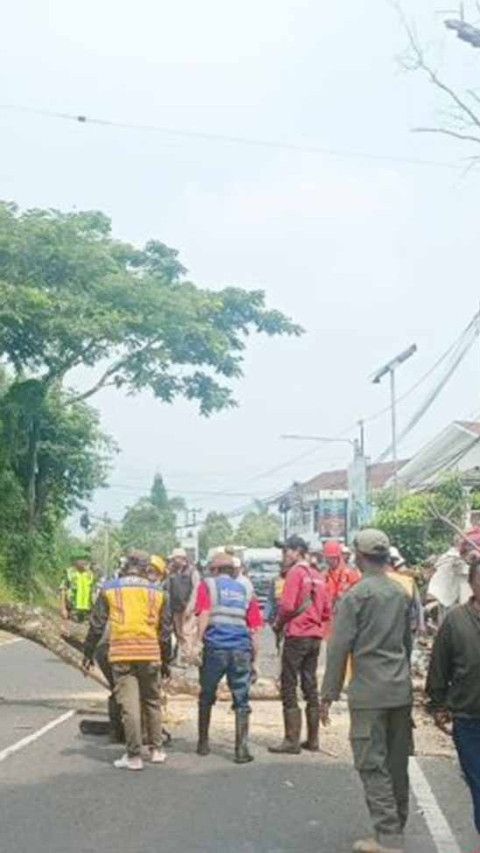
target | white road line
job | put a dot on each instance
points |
(26, 741)
(436, 821)
(10, 642)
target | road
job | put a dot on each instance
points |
(60, 794)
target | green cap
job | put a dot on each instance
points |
(372, 542)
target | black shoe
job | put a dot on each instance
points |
(313, 725)
(204, 714)
(293, 725)
(242, 755)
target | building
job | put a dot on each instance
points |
(455, 449)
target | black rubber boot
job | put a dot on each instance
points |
(242, 755)
(293, 726)
(204, 714)
(313, 725)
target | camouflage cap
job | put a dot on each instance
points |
(372, 543)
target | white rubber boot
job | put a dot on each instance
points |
(127, 762)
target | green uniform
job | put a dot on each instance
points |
(372, 627)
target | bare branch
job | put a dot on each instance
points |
(447, 132)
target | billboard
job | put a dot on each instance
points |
(331, 518)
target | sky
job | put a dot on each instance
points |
(369, 254)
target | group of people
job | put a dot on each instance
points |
(368, 615)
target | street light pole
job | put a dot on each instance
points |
(390, 368)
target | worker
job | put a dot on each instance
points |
(372, 624)
(229, 620)
(449, 583)
(339, 576)
(157, 570)
(453, 683)
(303, 616)
(399, 573)
(137, 614)
(77, 592)
(182, 583)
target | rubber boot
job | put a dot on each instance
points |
(204, 714)
(293, 725)
(242, 755)
(313, 725)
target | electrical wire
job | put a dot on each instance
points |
(230, 138)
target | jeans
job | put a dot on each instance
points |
(300, 658)
(466, 734)
(236, 665)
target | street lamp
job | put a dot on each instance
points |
(390, 369)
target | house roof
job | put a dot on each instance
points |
(471, 426)
(335, 481)
(445, 452)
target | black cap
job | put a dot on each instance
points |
(295, 542)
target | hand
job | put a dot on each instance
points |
(165, 671)
(325, 712)
(87, 664)
(254, 675)
(443, 721)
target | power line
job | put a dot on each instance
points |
(231, 139)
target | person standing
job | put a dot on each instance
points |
(339, 576)
(303, 616)
(136, 613)
(453, 683)
(229, 623)
(372, 625)
(182, 583)
(78, 591)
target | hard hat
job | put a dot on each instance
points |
(159, 564)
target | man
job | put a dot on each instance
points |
(182, 585)
(399, 573)
(229, 623)
(453, 683)
(372, 625)
(136, 613)
(339, 577)
(449, 582)
(77, 592)
(303, 616)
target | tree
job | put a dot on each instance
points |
(148, 528)
(258, 529)
(411, 521)
(461, 118)
(52, 458)
(216, 531)
(158, 493)
(70, 295)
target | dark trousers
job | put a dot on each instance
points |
(300, 659)
(236, 665)
(466, 734)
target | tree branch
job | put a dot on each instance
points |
(465, 136)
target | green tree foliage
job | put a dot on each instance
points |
(70, 295)
(216, 531)
(52, 458)
(411, 522)
(258, 529)
(150, 524)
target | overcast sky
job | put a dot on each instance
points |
(368, 255)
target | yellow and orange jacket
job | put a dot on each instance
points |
(136, 612)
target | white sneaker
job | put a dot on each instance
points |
(127, 762)
(158, 756)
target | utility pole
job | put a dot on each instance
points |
(390, 369)
(106, 544)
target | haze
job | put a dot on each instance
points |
(368, 255)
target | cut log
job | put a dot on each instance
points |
(44, 629)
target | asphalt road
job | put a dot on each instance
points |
(60, 794)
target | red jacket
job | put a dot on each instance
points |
(301, 581)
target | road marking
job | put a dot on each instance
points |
(10, 642)
(436, 821)
(26, 741)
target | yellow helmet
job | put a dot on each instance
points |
(158, 564)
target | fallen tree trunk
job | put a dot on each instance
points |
(32, 623)
(65, 639)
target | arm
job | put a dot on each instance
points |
(440, 671)
(341, 645)
(98, 622)
(165, 629)
(289, 600)
(202, 609)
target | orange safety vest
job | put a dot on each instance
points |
(135, 606)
